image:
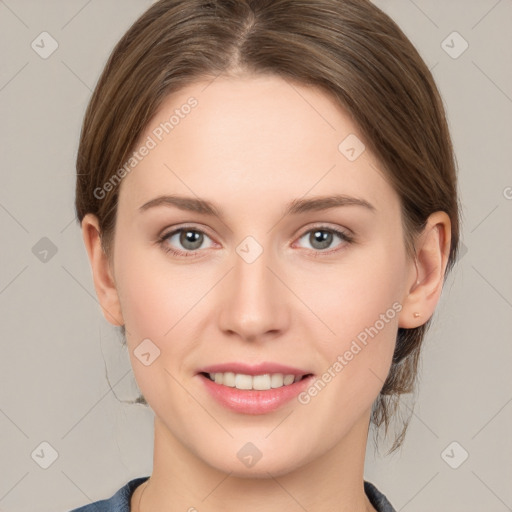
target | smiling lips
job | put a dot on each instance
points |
(254, 389)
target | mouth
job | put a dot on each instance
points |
(260, 388)
(256, 393)
(260, 382)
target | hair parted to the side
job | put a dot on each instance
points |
(349, 49)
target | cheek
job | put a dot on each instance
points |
(160, 300)
(362, 307)
(362, 289)
(156, 304)
(143, 299)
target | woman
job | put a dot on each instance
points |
(268, 199)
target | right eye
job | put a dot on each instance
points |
(189, 238)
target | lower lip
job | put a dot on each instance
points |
(250, 401)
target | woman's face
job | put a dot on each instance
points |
(259, 282)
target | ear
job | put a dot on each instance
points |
(427, 272)
(102, 275)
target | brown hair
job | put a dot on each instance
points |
(349, 49)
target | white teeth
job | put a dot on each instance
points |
(258, 382)
(288, 379)
(261, 382)
(277, 380)
(228, 379)
(241, 381)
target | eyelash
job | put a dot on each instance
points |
(316, 253)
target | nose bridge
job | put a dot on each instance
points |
(254, 304)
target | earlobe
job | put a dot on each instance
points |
(104, 283)
(432, 251)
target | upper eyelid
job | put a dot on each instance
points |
(173, 231)
(205, 230)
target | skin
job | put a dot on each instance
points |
(252, 145)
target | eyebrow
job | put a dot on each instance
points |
(295, 207)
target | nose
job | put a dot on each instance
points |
(255, 301)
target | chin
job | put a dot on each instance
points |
(276, 464)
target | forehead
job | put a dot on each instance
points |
(262, 137)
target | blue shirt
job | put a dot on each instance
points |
(120, 502)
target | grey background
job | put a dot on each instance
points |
(63, 372)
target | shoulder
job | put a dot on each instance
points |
(377, 499)
(119, 502)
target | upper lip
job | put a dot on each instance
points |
(253, 369)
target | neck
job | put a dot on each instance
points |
(181, 480)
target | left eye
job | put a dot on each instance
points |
(321, 238)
